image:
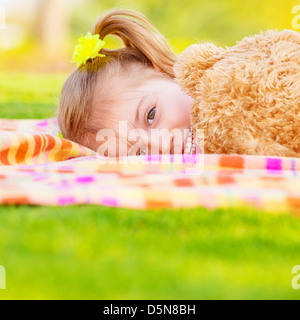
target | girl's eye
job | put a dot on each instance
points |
(141, 152)
(151, 116)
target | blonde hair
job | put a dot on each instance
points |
(144, 48)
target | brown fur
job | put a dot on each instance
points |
(247, 97)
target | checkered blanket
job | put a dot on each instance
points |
(39, 168)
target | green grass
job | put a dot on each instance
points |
(29, 96)
(94, 252)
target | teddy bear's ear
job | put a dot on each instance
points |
(194, 61)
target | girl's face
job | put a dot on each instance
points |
(160, 111)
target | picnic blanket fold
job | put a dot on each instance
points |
(35, 142)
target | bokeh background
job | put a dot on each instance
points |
(40, 34)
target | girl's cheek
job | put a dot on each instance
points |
(187, 101)
(184, 105)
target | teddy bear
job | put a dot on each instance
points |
(246, 98)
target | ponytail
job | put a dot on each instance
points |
(143, 42)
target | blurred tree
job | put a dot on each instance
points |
(53, 25)
(2, 18)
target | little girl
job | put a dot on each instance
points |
(133, 86)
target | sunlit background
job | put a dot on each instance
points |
(39, 35)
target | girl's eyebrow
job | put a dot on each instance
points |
(138, 108)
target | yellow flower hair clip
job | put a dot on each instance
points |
(88, 47)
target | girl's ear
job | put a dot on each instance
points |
(194, 61)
